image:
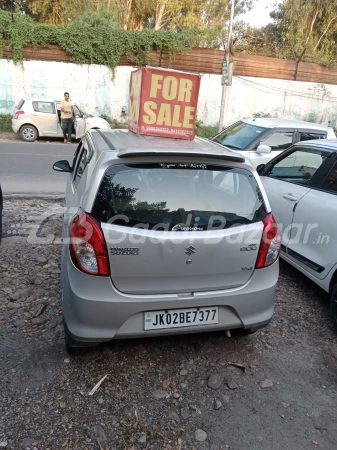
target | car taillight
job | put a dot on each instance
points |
(87, 245)
(270, 244)
(18, 113)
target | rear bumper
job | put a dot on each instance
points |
(95, 311)
(15, 125)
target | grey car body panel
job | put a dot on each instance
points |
(96, 309)
(161, 265)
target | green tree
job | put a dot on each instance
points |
(303, 30)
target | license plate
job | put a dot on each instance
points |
(174, 318)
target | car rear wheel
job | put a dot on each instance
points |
(29, 133)
(333, 306)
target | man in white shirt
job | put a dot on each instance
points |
(66, 117)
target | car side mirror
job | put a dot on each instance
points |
(62, 166)
(263, 149)
(260, 169)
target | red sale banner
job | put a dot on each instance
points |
(163, 103)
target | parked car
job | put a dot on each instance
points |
(301, 185)
(164, 236)
(35, 118)
(262, 139)
(1, 208)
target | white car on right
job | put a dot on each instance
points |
(301, 185)
(261, 139)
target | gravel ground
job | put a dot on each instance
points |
(272, 390)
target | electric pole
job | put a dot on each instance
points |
(227, 52)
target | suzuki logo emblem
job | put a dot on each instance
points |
(190, 250)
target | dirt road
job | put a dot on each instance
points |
(170, 393)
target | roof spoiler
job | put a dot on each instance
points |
(185, 153)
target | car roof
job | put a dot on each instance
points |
(41, 99)
(267, 122)
(128, 143)
(327, 144)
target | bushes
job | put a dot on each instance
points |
(205, 131)
(5, 123)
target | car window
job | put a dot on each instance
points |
(44, 107)
(330, 184)
(164, 196)
(239, 135)
(83, 160)
(77, 112)
(304, 136)
(77, 155)
(297, 167)
(20, 104)
(279, 140)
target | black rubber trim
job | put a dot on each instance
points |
(316, 267)
(191, 154)
(106, 140)
(283, 248)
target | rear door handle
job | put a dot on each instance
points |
(290, 197)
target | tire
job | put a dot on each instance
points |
(333, 306)
(29, 133)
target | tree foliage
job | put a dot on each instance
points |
(92, 41)
(303, 30)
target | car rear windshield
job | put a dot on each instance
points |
(239, 135)
(20, 104)
(178, 197)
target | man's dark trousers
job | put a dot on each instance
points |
(67, 125)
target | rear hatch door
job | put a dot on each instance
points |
(180, 227)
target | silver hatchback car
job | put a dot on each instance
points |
(164, 236)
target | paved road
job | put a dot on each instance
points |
(27, 168)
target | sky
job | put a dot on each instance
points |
(258, 16)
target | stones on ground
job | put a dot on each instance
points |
(41, 259)
(97, 433)
(215, 381)
(232, 385)
(19, 323)
(174, 416)
(217, 404)
(166, 383)
(24, 292)
(185, 412)
(183, 372)
(142, 440)
(3, 444)
(266, 384)
(160, 394)
(176, 395)
(200, 435)
(37, 322)
(224, 398)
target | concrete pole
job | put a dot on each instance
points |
(224, 87)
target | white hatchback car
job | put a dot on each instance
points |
(35, 117)
(301, 185)
(262, 139)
